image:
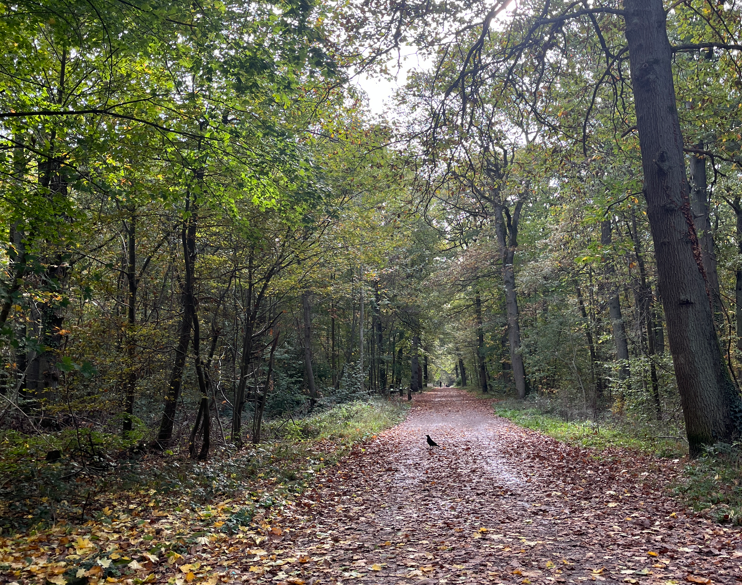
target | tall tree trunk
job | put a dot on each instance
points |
(188, 240)
(590, 342)
(480, 344)
(711, 404)
(614, 304)
(645, 308)
(736, 205)
(414, 367)
(506, 228)
(702, 220)
(425, 370)
(379, 339)
(462, 371)
(131, 322)
(308, 371)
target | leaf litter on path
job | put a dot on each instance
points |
(494, 503)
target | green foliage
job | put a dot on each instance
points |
(713, 483)
(543, 415)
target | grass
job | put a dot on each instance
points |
(710, 485)
(36, 493)
(600, 435)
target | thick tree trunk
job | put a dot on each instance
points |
(480, 344)
(308, 370)
(702, 220)
(711, 404)
(614, 305)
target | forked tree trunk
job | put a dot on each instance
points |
(711, 404)
(507, 235)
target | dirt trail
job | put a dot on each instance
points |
(493, 504)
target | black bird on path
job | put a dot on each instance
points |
(431, 442)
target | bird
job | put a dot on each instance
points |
(431, 442)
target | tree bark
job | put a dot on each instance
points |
(308, 370)
(614, 304)
(480, 344)
(506, 228)
(414, 367)
(188, 240)
(462, 371)
(712, 407)
(131, 321)
(702, 220)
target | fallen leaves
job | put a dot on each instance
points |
(395, 511)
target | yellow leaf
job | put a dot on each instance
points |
(612, 504)
(256, 569)
(700, 580)
(58, 580)
(651, 553)
(190, 577)
(376, 567)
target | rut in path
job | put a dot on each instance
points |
(493, 504)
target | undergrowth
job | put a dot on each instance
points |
(37, 492)
(711, 485)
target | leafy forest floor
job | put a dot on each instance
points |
(494, 503)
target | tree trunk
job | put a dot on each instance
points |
(462, 371)
(414, 367)
(308, 371)
(590, 342)
(506, 228)
(188, 240)
(379, 340)
(131, 321)
(711, 404)
(480, 344)
(702, 220)
(614, 304)
(645, 308)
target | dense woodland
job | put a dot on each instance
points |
(204, 226)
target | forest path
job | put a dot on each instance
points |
(493, 504)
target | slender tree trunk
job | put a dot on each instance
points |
(380, 339)
(702, 220)
(461, 371)
(614, 304)
(711, 404)
(131, 322)
(188, 240)
(480, 344)
(645, 307)
(590, 340)
(506, 228)
(737, 207)
(308, 371)
(425, 370)
(414, 367)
